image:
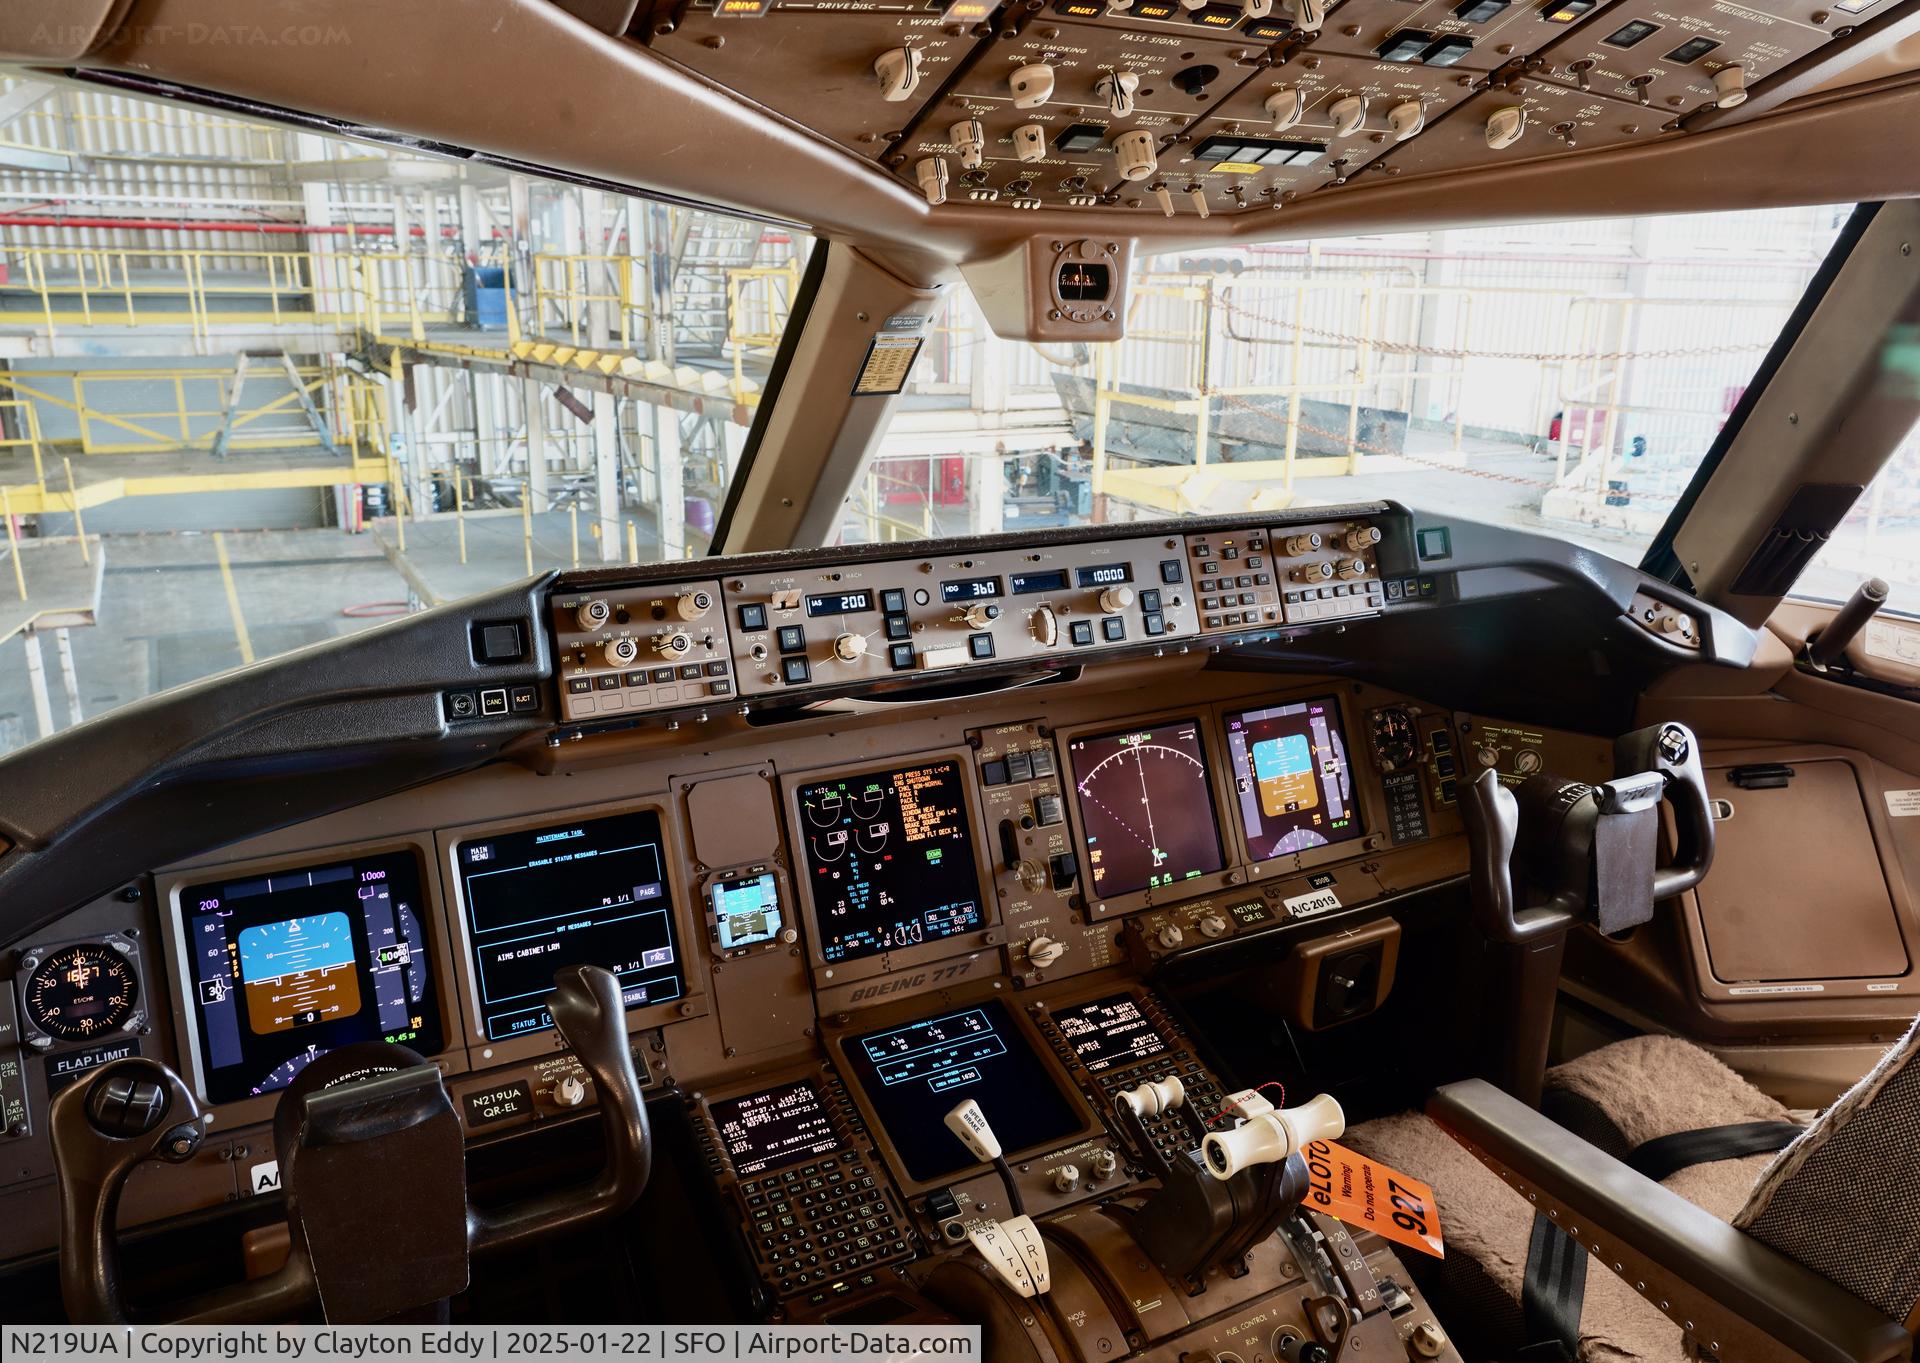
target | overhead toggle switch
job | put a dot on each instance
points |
(1116, 88)
(1404, 120)
(1504, 127)
(1198, 198)
(1164, 198)
(970, 141)
(1349, 114)
(1306, 15)
(1030, 142)
(1255, 9)
(1137, 153)
(1032, 86)
(1286, 108)
(1730, 86)
(899, 72)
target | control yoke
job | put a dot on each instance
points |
(374, 1113)
(1587, 853)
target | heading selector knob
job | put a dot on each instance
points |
(981, 614)
(1116, 599)
(621, 652)
(850, 648)
(675, 645)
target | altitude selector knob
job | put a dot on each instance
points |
(1116, 599)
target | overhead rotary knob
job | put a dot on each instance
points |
(1116, 599)
(850, 648)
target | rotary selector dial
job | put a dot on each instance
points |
(1212, 925)
(693, 605)
(850, 648)
(981, 614)
(1046, 626)
(675, 645)
(569, 1092)
(593, 615)
(621, 652)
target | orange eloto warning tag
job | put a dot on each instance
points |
(1367, 1194)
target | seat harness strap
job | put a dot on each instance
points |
(1661, 1158)
(1552, 1292)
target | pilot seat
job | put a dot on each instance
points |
(1643, 1203)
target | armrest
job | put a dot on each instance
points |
(1740, 1299)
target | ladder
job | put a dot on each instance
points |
(314, 423)
(705, 247)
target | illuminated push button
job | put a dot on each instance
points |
(1081, 632)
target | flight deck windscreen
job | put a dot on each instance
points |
(1292, 777)
(583, 892)
(1146, 806)
(890, 859)
(915, 1074)
(288, 965)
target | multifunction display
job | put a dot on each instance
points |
(1108, 1032)
(1292, 777)
(1146, 806)
(890, 858)
(585, 892)
(288, 965)
(774, 1128)
(915, 1074)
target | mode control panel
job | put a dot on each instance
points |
(863, 622)
(632, 649)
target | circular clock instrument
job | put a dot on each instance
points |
(80, 992)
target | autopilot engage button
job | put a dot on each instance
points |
(1113, 628)
(1081, 632)
(980, 645)
(900, 656)
(793, 639)
(795, 670)
(753, 617)
(465, 705)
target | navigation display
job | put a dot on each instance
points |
(1146, 805)
(1108, 1032)
(1292, 778)
(914, 1075)
(774, 1128)
(585, 892)
(286, 966)
(890, 857)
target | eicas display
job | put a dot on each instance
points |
(1292, 777)
(289, 965)
(585, 892)
(915, 1074)
(890, 859)
(1146, 806)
